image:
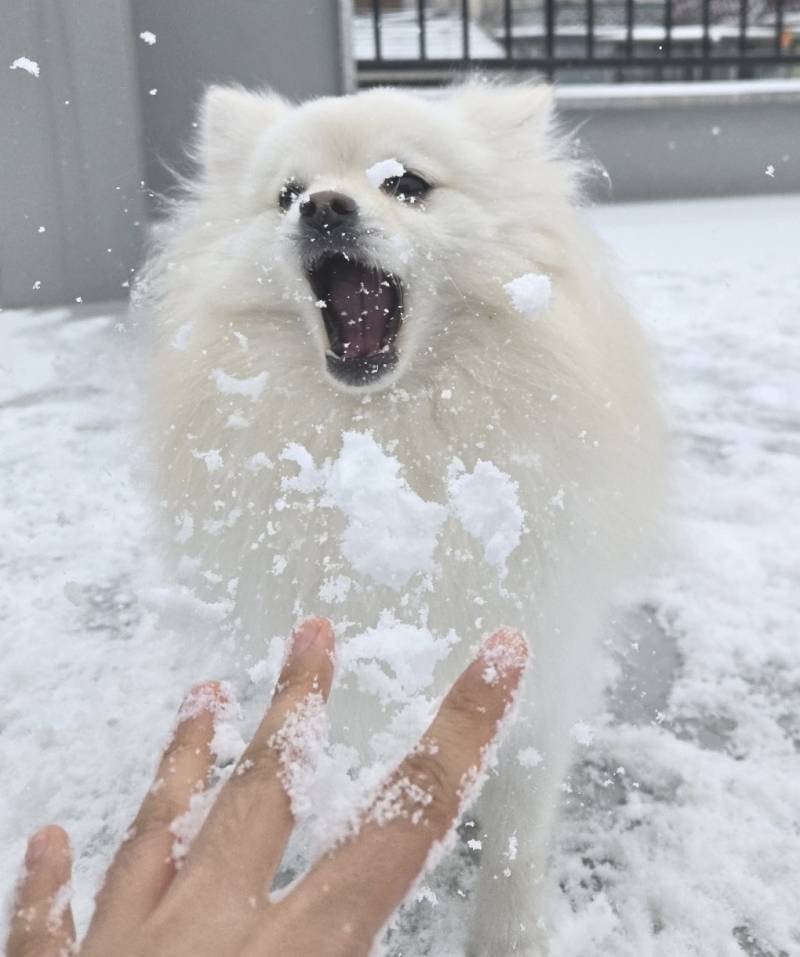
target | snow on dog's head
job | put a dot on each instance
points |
(377, 218)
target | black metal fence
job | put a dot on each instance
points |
(427, 41)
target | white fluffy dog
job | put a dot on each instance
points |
(354, 415)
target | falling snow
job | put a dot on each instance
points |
(26, 64)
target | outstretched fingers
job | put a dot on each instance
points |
(358, 885)
(41, 923)
(144, 866)
(241, 843)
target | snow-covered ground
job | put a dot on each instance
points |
(681, 835)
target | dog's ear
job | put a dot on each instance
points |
(507, 112)
(231, 122)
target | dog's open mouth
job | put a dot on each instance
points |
(362, 309)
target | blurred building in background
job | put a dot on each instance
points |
(98, 100)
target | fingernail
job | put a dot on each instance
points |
(306, 634)
(37, 846)
(505, 650)
(208, 696)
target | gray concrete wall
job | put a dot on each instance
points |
(290, 45)
(713, 139)
(79, 140)
(69, 154)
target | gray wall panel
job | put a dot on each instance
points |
(665, 149)
(70, 152)
(290, 45)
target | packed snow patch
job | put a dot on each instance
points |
(309, 478)
(148, 37)
(530, 293)
(379, 172)
(486, 501)
(391, 532)
(230, 385)
(26, 64)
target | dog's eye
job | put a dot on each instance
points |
(290, 190)
(408, 188)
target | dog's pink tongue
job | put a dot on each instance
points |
(362, 302)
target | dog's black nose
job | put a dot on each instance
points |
(328, 210)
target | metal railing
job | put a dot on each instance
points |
(425, 41)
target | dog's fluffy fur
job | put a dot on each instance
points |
(562, 403)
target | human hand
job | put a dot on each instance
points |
(216, 903)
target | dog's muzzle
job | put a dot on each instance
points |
(361, 306)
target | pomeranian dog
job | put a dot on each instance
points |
(395, 384)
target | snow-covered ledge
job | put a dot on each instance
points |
(598, 96)
(664, 140)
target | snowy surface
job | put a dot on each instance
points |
(681, 835)
(712, 90)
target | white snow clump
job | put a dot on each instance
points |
(530, 293)
(384, 170)
(391, 532)
(394, 660)
(148, 37)
(230, 385)
(26, 64)
(487, 505)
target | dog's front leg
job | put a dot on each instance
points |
(517, 812)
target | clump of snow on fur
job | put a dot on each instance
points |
(258, 462)
(391, 532)
(384, 170)
(530, 293)
(212, 458)
(394, 660)
(486, 502)
(183, 334)
(335, 589)
(148, 37)
(229, 385)
(309, 478)
(26, 64)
